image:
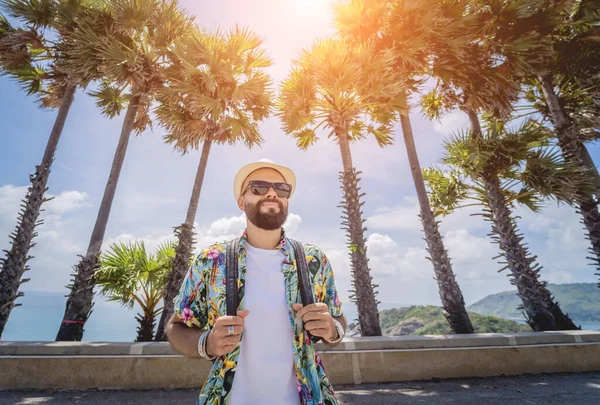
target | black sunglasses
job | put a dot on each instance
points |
(259, 187)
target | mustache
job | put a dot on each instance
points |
(269, 200)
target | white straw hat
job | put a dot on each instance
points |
(245, 171)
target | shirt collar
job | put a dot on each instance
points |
(283, 244)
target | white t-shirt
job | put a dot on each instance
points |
(265, 371)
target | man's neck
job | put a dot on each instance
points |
(262, 239)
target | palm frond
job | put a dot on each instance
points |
(383, 134)
(5, 26)
(126, 270)
(37, 13)
(132, 15)
(446, 190)
(297, 101)
(432, 104)
(110, 99)
(170, 24)
(552, 177)
(121, 268)
(216, 89)
(525, 197)
(21, 47)
(344, 88)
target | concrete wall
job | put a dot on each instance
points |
(83, 365)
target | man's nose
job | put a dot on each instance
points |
(271, 192)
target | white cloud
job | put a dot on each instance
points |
(401, 217)
(464, 218)
(292, 224)
(381, 245)
(388, 259)
(219, 230)
(404, 217)
(50, 232)
(122, 238)
(67, 201)
(10, 198)
(558, 238)
(227, 226)
(398, 257)
(466, 247)
(151, 241)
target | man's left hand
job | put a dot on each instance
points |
(317, 320)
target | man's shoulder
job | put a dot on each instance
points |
(311, 249)
(213, 251)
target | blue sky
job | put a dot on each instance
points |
(156, 183)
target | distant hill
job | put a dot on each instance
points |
(581, 301)
(429, 320)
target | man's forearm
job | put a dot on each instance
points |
(184, 339)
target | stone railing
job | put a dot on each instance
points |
(84, 365)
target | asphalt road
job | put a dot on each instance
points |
(550, 389)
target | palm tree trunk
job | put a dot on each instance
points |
(14, 265)
(575, 151)
(364, 290)
(79, 304)
(542, 312)
(145, 330)
(452, 299)
(183, 250)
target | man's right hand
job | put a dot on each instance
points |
(219, 343)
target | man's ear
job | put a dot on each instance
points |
(241, 203)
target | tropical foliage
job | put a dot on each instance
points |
(129, 275)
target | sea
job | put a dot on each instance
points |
(582, 325)
(39, 317)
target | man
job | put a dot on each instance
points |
(273, 360)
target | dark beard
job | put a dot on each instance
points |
(268, 221)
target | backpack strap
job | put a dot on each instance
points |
(231, 277)
(302, 268)
(303, 280)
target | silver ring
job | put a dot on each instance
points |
(230, 330)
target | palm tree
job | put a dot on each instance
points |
(129, 44)
(37, 62)
(349, 90)
(499, 169)
(409, 30)
(129, 275)
(551, 50)
(476, 79)
(217, 92)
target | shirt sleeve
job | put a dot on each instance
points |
(330, 294)
(190, 303)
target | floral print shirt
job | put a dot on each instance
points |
(202, 299)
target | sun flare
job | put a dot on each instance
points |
(307, 8)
